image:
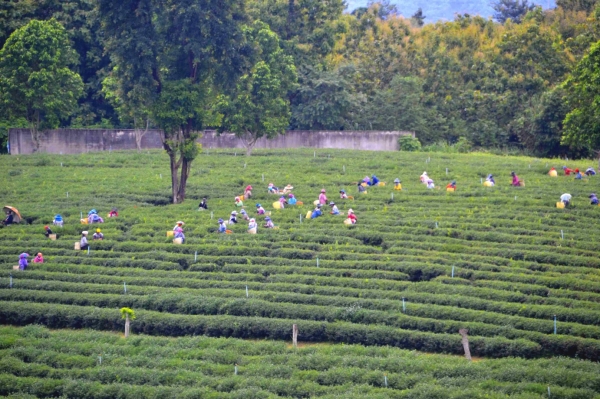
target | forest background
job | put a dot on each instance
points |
(517, 81)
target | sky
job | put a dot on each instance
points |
(436, 10)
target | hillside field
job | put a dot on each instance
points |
(382, 300)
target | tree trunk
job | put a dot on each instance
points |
(127, 326)
(465, 341)
(295, 335)
(139, 134)
(174, 177)
(185, 172)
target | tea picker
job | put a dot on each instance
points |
(47, 232)
(334, 208)
(222, 229)
(268, 223)
(98, 235)
(179, 237)
(203, 205)
(451, 186)
(565, 199)
(83, 242)
(593, 199)
(23, 261)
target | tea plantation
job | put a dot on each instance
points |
(502, 262)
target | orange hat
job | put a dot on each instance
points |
(46, 227)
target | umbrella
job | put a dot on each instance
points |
(17, 216)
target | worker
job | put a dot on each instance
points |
(10, 219)
(593, 199)
(367, 181)
(374, 180)
(322, 197)
(58, 220)
(233, 218)
(238, 201)
(259, 209)
(83, 243)
(343, 194)
(98, 235)
(352, 216)
(552, 172)
(282, 202)
(424, 178)
(430, 184)
(491, 180)
(452, 185)
(222, 228)
(179, 233)
(268, 223)
(23, 261)
(334, 208)
(397, 184)
(565, 199)
(515, 179)
(252, 226)
(244, 214)
(578, 175)
(248, 192)
(113, 213)
(272, 189)
(292, 200)
(361, 188)
(567, 171)
(39, 258)
(316, 212)
(590, 172)
(203, 205)
(93, 217)
(47, 231)
(288, 189)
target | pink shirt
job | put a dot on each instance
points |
(322, 199)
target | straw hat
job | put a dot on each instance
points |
(85, 233)
(180, 222)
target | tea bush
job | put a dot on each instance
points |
(420, 264)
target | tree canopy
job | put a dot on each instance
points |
(36, 82)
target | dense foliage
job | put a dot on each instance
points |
(492, 84)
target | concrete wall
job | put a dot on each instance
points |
(75, 141)
(355, 140)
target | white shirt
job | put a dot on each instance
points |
(565, 197)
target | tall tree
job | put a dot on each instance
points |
(258, 106)
(36, 82)
(173, 54)
(514, 10)
(582, 123)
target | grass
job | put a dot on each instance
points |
(492, 260)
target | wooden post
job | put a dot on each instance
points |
(295, 335)
(465, 341)
(127, 325)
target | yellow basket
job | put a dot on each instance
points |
(560, 205)
(398, 187)
(450, 189)
(170, 233)
(178, 241)
(553, 173)
(487, 184)
(347, 222)
(381, 183)
(277, 205)
(308, 214)
(84, 221)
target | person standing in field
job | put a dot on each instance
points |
(322, 198)
(83, 242)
